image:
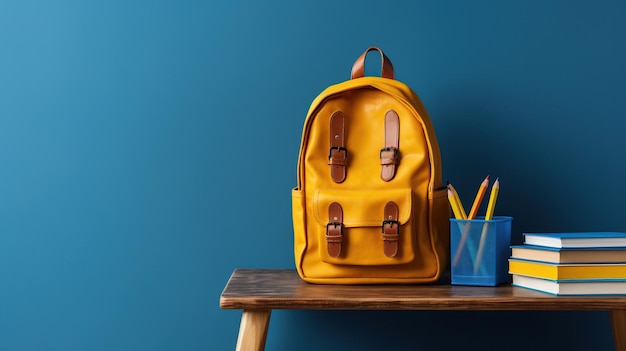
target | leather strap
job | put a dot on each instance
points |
(391, 229)
(334, 229)
(389, 154)
(386, 68)
(338, 154)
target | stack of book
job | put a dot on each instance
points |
(585, 263)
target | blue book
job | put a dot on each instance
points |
(572, 287)
(580, 239)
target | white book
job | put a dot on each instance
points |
(580, 239)
(572, 287)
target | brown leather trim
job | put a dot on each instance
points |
(391, 229)
(389, 154)
(334, 229)
(338, 154)
(386, 70)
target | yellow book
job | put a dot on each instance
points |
(568, 271)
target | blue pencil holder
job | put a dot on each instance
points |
(479, 251)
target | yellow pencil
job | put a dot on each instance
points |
(492, 199)
(479, 198)
(488, 216)
(455, 205)
(457, 199)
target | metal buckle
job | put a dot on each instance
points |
(391, 224)
(335, 225)
(339, 149)
(389, 148)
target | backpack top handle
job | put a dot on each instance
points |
(386, 70)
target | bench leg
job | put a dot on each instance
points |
(618, 321)
(253, 330)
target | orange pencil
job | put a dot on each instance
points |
(479, 198)
(473, 211)
(488, 216)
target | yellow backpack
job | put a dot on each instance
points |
(370, 206)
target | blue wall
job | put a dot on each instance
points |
(148, 148)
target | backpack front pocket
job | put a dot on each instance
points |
(365, 228)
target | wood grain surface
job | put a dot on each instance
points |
(251, 289)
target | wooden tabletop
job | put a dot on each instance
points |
(250, 289)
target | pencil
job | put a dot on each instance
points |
(457, 199)
(482, 189)
(479, 198)
(455, 205)
(492, 199)
(488, 216)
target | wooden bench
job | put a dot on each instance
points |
(259, 291)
